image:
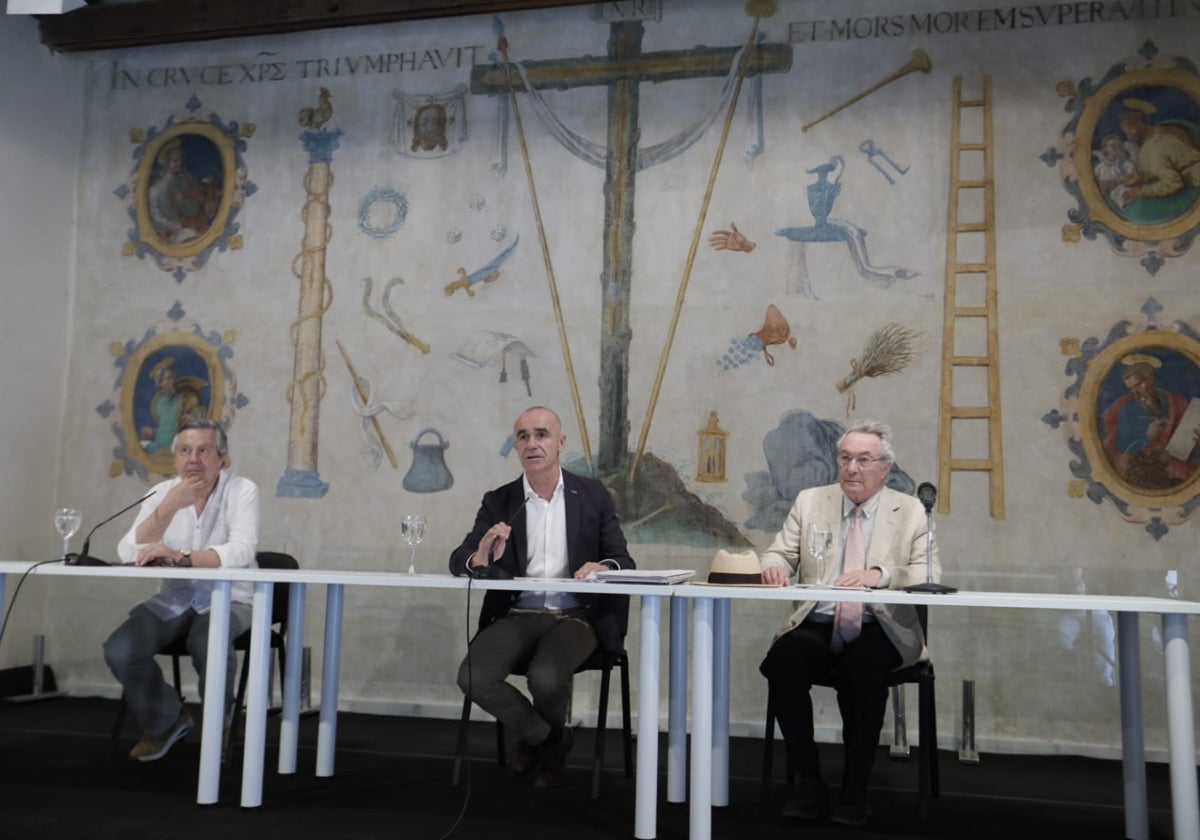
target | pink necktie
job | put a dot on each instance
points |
(847, 616)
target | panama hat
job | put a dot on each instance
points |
(729, 568)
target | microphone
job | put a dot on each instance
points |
(490, 571)
(82, 558)
(927, 493)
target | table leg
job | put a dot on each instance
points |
(258, 679)
(700, 812)
(720, 711)
(208, 788)
(1181, 728)
(327, 728)
(646, 801)
(289, 722)
(677, 704)
(1133, 742)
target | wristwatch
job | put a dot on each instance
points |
(185, 557)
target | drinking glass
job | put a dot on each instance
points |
(820, 539)
(67, 522)
(412, 529)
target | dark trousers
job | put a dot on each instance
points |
(553, 644)
(859, 674)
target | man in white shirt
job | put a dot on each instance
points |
(548, 523)
(205, 517)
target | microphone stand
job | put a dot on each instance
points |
(82, 558)
(929, 585)
(41, 673)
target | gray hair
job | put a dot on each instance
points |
(205, 424)
(872, 427)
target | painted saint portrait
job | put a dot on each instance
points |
(1149, 168)
(185, 188)
(173, 377)
(1146, 423)
(1139, 137)
(174, 399)
(429, 128)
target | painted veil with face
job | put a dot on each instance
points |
(430, 125)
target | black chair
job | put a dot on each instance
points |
(279, 615)
(600, 660)
(920, 673)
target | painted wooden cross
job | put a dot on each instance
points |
(625, 68)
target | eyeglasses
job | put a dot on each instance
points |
(862, 461)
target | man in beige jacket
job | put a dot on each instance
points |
(878, 540)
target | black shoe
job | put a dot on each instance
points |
(810, 803)
(524, 762)
(851, 813)
(552, 754)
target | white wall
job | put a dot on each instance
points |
(39, 154)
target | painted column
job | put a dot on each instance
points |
(301, 478)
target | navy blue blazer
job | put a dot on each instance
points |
(593, 534)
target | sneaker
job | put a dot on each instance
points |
(152, 749)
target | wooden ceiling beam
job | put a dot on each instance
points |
(100, 27)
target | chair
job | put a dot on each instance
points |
(920, 673)
(279, 615)
(600, 660)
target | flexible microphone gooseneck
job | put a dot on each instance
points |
(82, 558)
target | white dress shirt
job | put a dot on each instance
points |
(228, 526)
(546, 544)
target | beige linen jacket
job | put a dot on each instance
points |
(897, 544)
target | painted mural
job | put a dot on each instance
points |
(186, 189)
(1132, 418)
(177, 370)
(1131, 157)
(709, 235)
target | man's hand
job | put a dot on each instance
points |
(157, 554)
(187, 492)
(864, 577)
(589, 569)
(491, 545)
(775, 576)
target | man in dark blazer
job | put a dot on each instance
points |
(548, 523)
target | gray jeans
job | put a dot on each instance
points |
(130, 651)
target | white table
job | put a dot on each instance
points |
(651, 596)
(710, 682)
(218, 639)
(710, 687)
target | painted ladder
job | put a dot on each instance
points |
(970, 336)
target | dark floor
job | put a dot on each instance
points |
(61, 776)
